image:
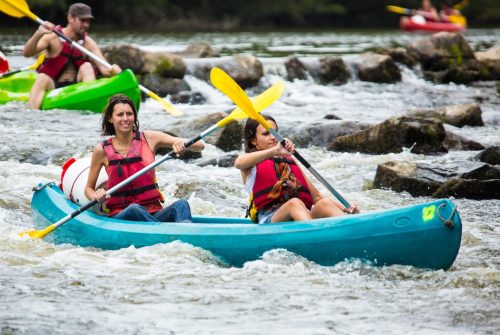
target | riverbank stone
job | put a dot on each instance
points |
(447, 57)
(376, 68)
(456, 115)
(421, 135)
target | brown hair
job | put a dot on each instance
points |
(107, 127)
(251, 131)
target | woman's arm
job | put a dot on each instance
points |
(248, 160)
(92, 46)
(96, 164)
(158, 139)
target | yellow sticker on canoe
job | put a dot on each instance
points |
(429, 212)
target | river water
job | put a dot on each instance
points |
(176, 288)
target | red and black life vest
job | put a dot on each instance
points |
(143, 190)
(277, 180)
(54, 67)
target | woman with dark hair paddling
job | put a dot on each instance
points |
(278, 189)
(128, 151)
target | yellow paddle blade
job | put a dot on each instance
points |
(261, 102)
(168, 107)
(461, 5)
(17, 8)
(38, 233)
(229, 87)
(38, 62)
(398, 10)
(458, 19)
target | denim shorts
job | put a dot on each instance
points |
(266, 216)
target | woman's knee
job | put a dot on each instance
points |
(44, 81)
(296, 203)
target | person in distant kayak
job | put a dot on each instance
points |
(64, 64)
(447, 10)
(128, 151)
(278, 189)
(428, 11)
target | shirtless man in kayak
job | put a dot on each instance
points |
(65, 65)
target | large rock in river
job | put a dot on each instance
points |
(421, 135)
(377, 68)
(447, 57)
(245, 70)
(456, 115)
(491, 59)
(464, 180)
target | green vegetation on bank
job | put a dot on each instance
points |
(235, 15)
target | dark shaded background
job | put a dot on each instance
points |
(196, 15)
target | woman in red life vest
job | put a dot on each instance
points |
(129, 151)
(278, 189)
(64, 64)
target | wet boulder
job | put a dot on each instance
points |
(421, 135)
(188, 97)
(408, 177)
(490, 155)
(165, 65)
(491, 59)
(377, 68)
(462, 179)
(245, 70)
(126, 56)
(456, 115)
(322, 133)
(333, 70)
(164, 86)
(198, 50)
(399, 55)
(295, 69)
(447, 57)
(469, 188)
(223, 161)
(453, 141)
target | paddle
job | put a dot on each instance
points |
(39, 61)
(458, 19)
(461, 5)
(261, 102)
(19, 8)
(228, 86)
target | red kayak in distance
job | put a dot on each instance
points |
(419, 23)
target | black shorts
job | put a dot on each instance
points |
(64, 83)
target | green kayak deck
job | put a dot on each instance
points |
(92, 96)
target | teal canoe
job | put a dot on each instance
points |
(91, 96)
(424, 235)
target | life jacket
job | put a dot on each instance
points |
(54, 67)
(277, 180)
(143, 190)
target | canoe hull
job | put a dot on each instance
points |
(407, 24)
(92, 96)
(398, 236)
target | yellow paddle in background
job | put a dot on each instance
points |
(19, 8)
(261, 102)
(458, 19)
(229, 87)
(34, 66)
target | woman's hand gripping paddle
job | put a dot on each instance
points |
(228, 86)
(261, 102)
(19, 8)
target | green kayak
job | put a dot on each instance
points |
(92, 96)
